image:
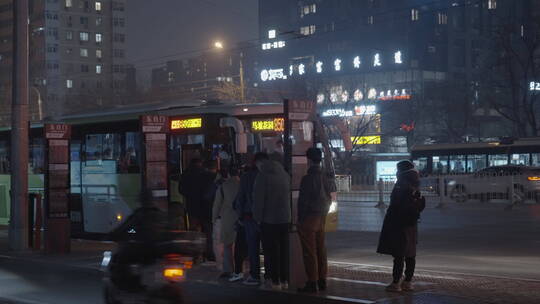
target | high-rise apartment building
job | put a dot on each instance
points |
(419, 64)
(77, 55)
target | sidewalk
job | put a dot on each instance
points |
(347, 282)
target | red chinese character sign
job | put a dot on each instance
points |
(57, 188)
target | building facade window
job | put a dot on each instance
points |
(84, 52)
(69, 3)
(84, 68)
(121, 22)
(415, 14)
(99, 38)
(119, 53)
(99, 21)
(69, 35)
(492, 4)
(99, 68)
(442, 18)
(308, 30)
(84, 36)
(370, 20)
(98, 6)
(99, 53)
(119, 37)
(84, 20)
(69, 84)
(308, 9)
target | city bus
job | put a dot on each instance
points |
(506, 170)
(106, 147)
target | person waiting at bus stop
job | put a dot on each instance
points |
(223, 210)
(244, 207)
(399, 232)
(191, 188)
(313, 203)
(272, 209)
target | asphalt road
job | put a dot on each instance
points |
(484, 240)
(32, 283)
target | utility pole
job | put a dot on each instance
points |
(18, 226)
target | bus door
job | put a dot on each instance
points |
(189, 152)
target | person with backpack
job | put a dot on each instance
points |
(313, 204)
(400, 231)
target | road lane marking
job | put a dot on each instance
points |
(349, 300)
(357, 281)
(442, 273)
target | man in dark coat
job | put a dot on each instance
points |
(313, 203)
(191, 188)
(244, 206)
(399, 232)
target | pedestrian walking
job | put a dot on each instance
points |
(400, 232)
(313, 204)
(271, 208)
(252, 230)
(223, 210)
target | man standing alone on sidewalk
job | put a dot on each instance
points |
(313, 203)
(271, 208)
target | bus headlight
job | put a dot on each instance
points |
(333, 207)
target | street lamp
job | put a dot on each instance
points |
(219, 45)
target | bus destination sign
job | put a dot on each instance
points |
(189, 123)
(268, 125)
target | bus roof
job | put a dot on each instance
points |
(133, 112)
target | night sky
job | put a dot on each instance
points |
(159, 28)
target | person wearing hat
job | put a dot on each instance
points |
(313, 203)
(399, 231)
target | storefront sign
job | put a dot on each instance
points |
(358, 111)
(534, 86)
(366, 140)
(272, 74)
(275, 125)
(191, 123)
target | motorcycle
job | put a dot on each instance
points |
(149, 271)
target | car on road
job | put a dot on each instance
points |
(509, 183)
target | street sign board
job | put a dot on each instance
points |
(155, 123)
(57, 131)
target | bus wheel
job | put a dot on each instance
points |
(459, 194)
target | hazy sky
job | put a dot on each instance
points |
(157, 28)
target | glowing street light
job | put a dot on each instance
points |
(218, 45)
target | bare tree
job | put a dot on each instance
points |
(512, 65)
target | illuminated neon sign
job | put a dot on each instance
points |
(275, 125)
(190, 123)
(366, 140)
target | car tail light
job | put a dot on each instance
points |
(174, 273)
(534, 178)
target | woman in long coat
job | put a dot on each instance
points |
(399, 232)
(223, 210)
